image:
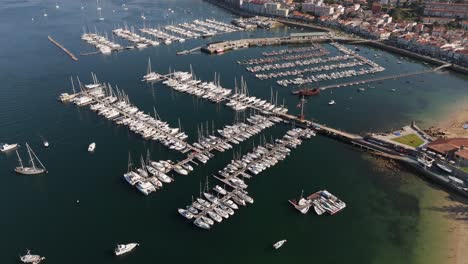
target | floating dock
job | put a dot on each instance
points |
(63, 48)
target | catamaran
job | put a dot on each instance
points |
(32, 169)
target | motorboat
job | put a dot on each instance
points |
(231, 204)
(7, 147)
(202, 224)
(215, 216)
(125, 248)
(92, 147)
(332, 102)
(207, 220)
(185, 213)
(30, 258)
(279, 244)
(180, 170)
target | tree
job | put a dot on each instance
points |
(395, 13)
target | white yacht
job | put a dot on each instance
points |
(185, 213)
(220, 190)
(145, 187)
(180, 170)
(279, 243)
(332, 102)
(91, 147)
(30, 258)
(231, 204)
(200, 223)
(7, 147)
(125, 248)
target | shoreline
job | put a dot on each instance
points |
(450, 123)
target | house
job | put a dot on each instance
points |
(453, 148)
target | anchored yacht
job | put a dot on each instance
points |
(30, 258)
(279, 243)
(7, 147)
(91, 147)
(125, 248)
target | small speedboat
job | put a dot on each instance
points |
(332, 102)
(30, 258)
(279, 243)
(7, 147)
(46, 144)
(91, 147)
(125, 248)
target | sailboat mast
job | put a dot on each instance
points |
(149, 66)
(73, 85)
(30, 156)
(19, 159)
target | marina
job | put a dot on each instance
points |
(317, 52)
(299, 61)
(86, 200)
(322, 202)
(212, 91)
(101, 43)
(116, 107)
(140, 42)
(221, 204)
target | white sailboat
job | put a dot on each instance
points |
(150, 75)
(31, 169)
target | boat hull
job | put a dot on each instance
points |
(29, 170)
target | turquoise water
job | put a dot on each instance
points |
(41, 212)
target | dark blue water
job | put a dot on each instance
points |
(41, 212)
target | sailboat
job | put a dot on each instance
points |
(150, 75)
(32, 169)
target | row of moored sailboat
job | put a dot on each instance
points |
(222, 203)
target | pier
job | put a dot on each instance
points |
(396, 76)
(185, 52)
(258, 160)
(259, 108)
(63, 48)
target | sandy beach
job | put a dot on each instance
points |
(452, 125)
(443, 228)
(457, 213)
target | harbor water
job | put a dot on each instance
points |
(82, 208)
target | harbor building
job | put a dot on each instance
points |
(454, 148)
